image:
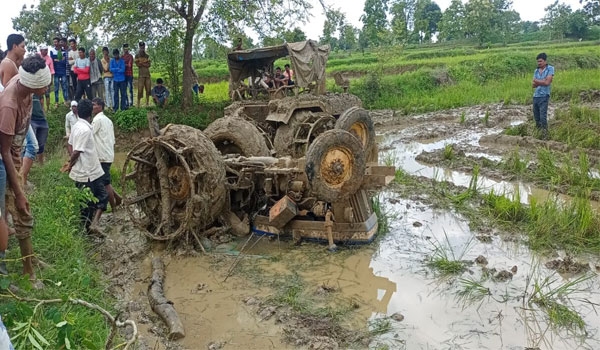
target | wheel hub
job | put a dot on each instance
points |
(179, 183)
(336, 167)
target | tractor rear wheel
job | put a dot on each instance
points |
(357, 121)
(235, 135)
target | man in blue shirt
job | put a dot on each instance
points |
(117, 68)
(542, 80)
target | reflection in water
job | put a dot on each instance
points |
(434, 317)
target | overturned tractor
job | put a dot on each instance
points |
(301, 165)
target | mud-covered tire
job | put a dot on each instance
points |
(237, 135)
(335, 165)
(283, 142)
(357, 121)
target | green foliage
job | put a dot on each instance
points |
(74, 272)
(167, 56)
(198, 116)
(131, 119)
(374, 22)
(506, 209)
(514, 164)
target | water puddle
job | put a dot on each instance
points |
(390, 277)
(435, 317)
(402, 152)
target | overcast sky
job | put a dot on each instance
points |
(531, 10)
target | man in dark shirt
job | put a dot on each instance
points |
(160, 94)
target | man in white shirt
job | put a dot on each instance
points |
(104, 137)
(85, 169)
(70, 119)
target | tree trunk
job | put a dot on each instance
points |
(188, 43)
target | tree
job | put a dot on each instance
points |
(452, 24)
(334, 21)
(374, 21)
(348, 38)
(578, 25)
(490, 20)
(592, 9)
(403, 14)
(427, 17)
(557, 19)
(51, 18)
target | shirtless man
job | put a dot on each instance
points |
(15, 113)
(8, 69)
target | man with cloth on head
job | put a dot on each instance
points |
(15, 113)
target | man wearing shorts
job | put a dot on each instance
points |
(142, 61)
(104, 137)
(85, 169)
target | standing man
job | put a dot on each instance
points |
(73, 55)
(128, 58)
(542, 81)
(142, 61)
(61, 66)
(96, 71)
(70, 119)
(107, 76)
(81, 67)
(84, 167)
(104, 137)
(50, 63)
(15, 109)
(9, 67)
(117, 67)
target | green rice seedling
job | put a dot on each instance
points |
(471, 292)
(383, 216)
(546, 167)
(471, 191)
(514, 164)
(444, 260)
(574, 226)
(506, 209)
(518, 130)
(552, 301)
(486, 118)
(401, 176)
(380, 326)
(463, 117)
(448, 152)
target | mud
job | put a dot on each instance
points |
(261, 303)
(567, 266)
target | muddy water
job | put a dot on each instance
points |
(402, 147)
(389, 277)
(435, 318)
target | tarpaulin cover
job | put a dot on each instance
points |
(308, 61)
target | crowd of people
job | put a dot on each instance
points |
(25, 83)
(77, 72)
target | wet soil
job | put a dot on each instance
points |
(278, 295)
